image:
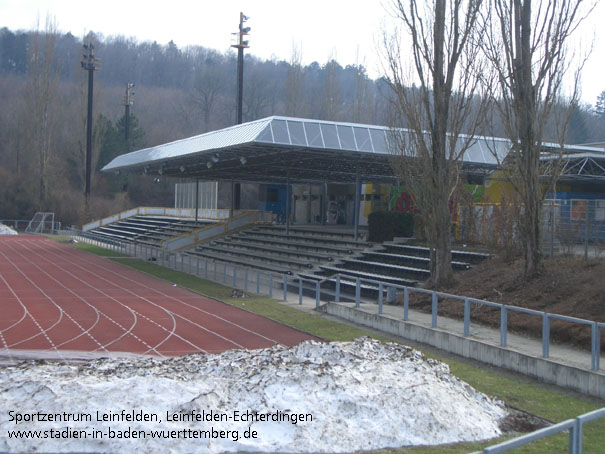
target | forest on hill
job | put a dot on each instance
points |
(179, 92)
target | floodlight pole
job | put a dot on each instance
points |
(89, 64)
(240, 46)
(128, 101)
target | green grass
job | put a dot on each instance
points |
(518, 392)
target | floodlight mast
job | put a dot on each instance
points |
(240, 45)
(128, 101)
(89, 63)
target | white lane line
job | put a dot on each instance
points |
(135, 313)
(82, 329)
(122, 276)
(84, 258)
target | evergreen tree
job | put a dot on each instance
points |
(600, 105)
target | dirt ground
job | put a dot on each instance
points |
(568, 286)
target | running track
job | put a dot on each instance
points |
(56, 299)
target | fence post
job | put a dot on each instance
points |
(357, 292)
(503, 325)
(317, 293)
(467, 317)
(406, 304)
(337, 291)
(235, 276)
(596, 346)
(434, 308)
(246, 280)
(545, 336)
(258, 282)
(270, 285)
(380, 296)
(300, 282)
(225, 273)
(197, 267)
(215, 272)
(189, 264)
(285, 287)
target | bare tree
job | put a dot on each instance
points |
(293, 87)
(526, 44)
(435, 100)
(40, 99)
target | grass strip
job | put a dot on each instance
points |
(522, 393)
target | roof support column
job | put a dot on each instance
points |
(356, 207)
(288, 203)
(197, 197)
(324, 203)
(232, 209)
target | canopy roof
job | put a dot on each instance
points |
(276, 148)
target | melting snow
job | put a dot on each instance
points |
(361, 395)
(6, 230)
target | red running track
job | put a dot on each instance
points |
(57, 299)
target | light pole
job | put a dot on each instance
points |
(240, 46)
(89, 63)
(128, 101)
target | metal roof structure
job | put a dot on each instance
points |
(280, 149)
(276, 148)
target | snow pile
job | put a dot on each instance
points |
(6, 230)
(359, 395)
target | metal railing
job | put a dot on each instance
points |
(266, 283)
(546, 317)
(575, 427)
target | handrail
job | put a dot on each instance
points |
(575, 427)
(504, 308)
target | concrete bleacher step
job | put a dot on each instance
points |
(346, 234)
(273, 249)
(386, 269)
(324, 248)
(316, 239)
(348, 287)
(248, 263)
(408, 260)
(334, 269)
(421, 251)
(255, 255)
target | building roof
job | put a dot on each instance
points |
(276, 148)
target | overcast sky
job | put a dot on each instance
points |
(346, 30)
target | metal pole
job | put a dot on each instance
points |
(356, 207)
(197, 198)
(288, 203)
(324, 203)
(91, 73)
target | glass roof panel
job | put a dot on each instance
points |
(313, 134)
(330, 137)
(265, 135)
(362, 136)
(280, 131)
(297, 133)
(347, 141)
(379, 140)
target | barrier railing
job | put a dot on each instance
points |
(596, 327)
(575, 427)
(265, 282)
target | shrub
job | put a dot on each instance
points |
(385, 225)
